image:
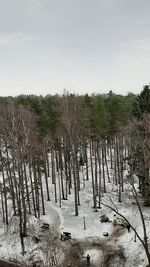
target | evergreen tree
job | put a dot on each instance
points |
(140, 146)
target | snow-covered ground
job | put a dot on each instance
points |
(63, 219)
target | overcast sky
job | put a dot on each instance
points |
(91, 46)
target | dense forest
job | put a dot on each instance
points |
(55, 136)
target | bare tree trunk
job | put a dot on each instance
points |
(32, 189)
(21, 226)
(115, 177)
(3, 209)
(36, 189)
(103, 169)
(67, 177)
(106, 163)
(10, 177)
(47, 158)
(100, 187)
(5, 197)
(111, 154)
(59, 186)
(75, 185)
(53, 166)
(46, 181)
(92, 175)
(55, 189)
(41, 188)
(96, 179)
(86, 160)
(61, 170)
(23, 198)
(118, 170)
(70, 177)
(26, 186)
(77, 176)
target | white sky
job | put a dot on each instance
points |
(80, 45)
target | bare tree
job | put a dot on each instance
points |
(112, 206)
(71, 127)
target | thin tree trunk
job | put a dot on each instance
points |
(99, 188)
(3, 210)
(106, 163)
(103, 169)
(41, 188)
(26, 186)
(75, 186)
(92, 175)
(32, 189)
(5, 197)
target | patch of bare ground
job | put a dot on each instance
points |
(73, 255)
(107, 252)
(113, 255)
(117, 232)
(73, 252)
(59, 253)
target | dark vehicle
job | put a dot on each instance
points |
(65, 236)
(45, 226)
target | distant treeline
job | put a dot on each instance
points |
(105, 112)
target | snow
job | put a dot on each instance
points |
(63, 219)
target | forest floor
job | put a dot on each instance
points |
(116, 249)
